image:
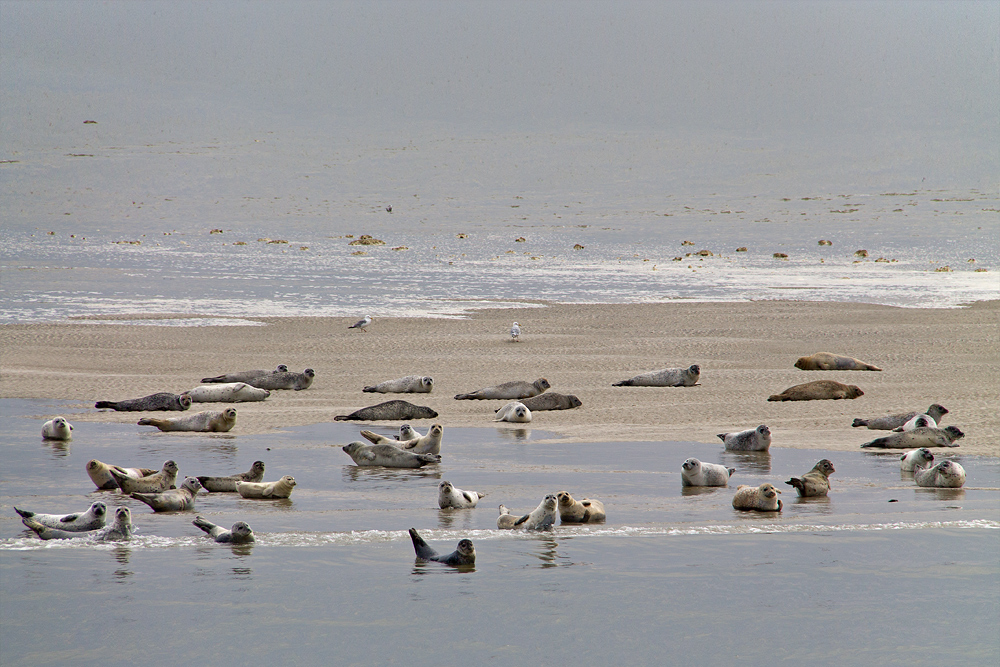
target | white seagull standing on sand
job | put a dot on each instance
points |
(361, 324)
(515, 332)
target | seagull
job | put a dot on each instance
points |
(515, 331)
(388, 209)
(361, 324)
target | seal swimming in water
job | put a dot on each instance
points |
(158, 481)
(228, 483)
(174, 500)
(411, 384)
(945, 475)
(279, 489)
(696, 473)
(587, 510)
(240, 533)
(243, 376)
(667, 377)
(422, 444)
(227, 392)
(92, 519)
(100, 475)
(464, 555)
(204, 422)
(752, 440)
(763, 498)
(506, 520)
(915, 457)
(451, 496)
(389, 411)
(542, 517)
(57, 429)
(551, 400)
(816, 482)
(890, 422)
(388, 456)
(508, 390)
(163, 400)
(825, 361)
(919, 437)
(286, 380)
(920, 421)
(514, 412)
(120, 530)
(818, 390)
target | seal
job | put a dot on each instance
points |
(667, 377)
(243, 376)
(945, 475)
(280, 489)
(100, 474)
(889, 422)
(542, 517)
(763, 498)
(463, 556)
(407, 432)
(286, 380)
(227, 392)
(91, 519)
(224, 484)
(508, 390)
(388, 456)
(163, 400)
(427, 444)
(120, 530)
(174, 500)
(818, 390)
(515, 332)
(919, 437)
(587, 510)
(515, 412)
(361, 324)
(696, 473)
(240, 533)
(159, 481)
(550, 400)
(204, 422)
(920, 421)
(389, 411)
(826, 361)
(915, 457)
(57, 429)
(816, 482)
(410, 384)
(506, 520)
(451, 496)
(752, 440)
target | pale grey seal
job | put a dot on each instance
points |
(389, 411)
(100, 473)
(515, 332)
(163, 400)
(228, 483)
(515, 412)
(915, 457)
(57, 429)
(587, 510)
(542, 517)
(463, 556)
(551, 400)
(388, 456)
(825, 361)
(752, 440)
(763, 498)
(890, 422)
(174, 500)
(243, 376)
(407, 432)
(227, 392)
(920, 421)
(240, 533)
(205, 422)
(919, 437)
(696, 473)
(506, 520)
(945, 475)
(410, 384)
(667, 377)
(508, 390)
(422, 444)
(816, 482)
(818, 390)
(279, 489)
(120, 530)
(451, 496)
(286, 380)
(93, 518)
(362, 323)
(159, 481)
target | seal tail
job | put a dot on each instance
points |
(860, 422)
(372, 437)
(342, 418)
(721, 436)
(422, 549)
(776, 397)
(24, 513)
(731, 471)
(464, 397)
(623, 383)
(217, 378)
(877, 442)
(105, 404)
(150, 421)
(34, 525)
(869, 367)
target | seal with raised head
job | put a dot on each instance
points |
(752, 440)
(411, 384)
(826, 361)
(243, 376)
(118, 531)
(389, 411)
(696, 473)
(918, 437)
(915, 457)
(763, 498)
(57, 429)
(542, 517)
(163, 400)
(818, 390)
(158, 481)
(93, 518)
(279, 489)
(464, 555)
(204, 422)
(514, 412)
(227, 392)
(551, 400)
(388, 456)
(174, 500)
(285, 380)
(945, 475)
(228, 483)
(587, 510)
(508, 390)
(920, 421)
(100, 473)
(451, 496)
(666, 377)
(816, 482)
(422, 444)
(506, 520)
(240, 533)
(890, 422)
(407, 432)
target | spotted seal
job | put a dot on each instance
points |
(100, 473)
(118, 531)
(285, 380)
(93, 518)
(514, 412)
(816, 482)
(463, 556)
(243, 376)
(57, 429)
(388, 456)
(205, 422)
(228, 483)
(920, 421)
(752, 440)
(411, 384)
(279, 489)
(227, 392)
(890, 422)
(918, 437)
(551, 400)
(174, 500)
(407, 432)
(426, 444)
(240, 533)
(542, 517)
(825, 361)
(945, 475)
(506, 520)
(389, 411)
(508, 390)
(163, 480)
(451, 496)
(915, 457)
(763, 498)
(587, 510)
(696, 473)
(818, 390)
(163, 400)
(667, 377)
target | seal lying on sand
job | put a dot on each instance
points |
(163, 400)
(920, 421)
(818, 390)
(388, 456)
(945, 475)
(915, 457)
(411, 384)
(825, 361)
(279, 489)
(100, 473)
(508, 390)
(587, 510)
(667, 377)
(224, 484)
(205, 422)
(551, 400)
(919, 437)
(93, 518)
(451, 496)
(240, 533)
(514, 412)
(174, 500)
(752, 440)
(227, 392)
(243, 376)
(120, 530)
(696, 473)
(158, 481)
(426, 444)
(286, 380)
(890, 422)
(57, 429)
(542, 517)
(465, 555)
(816, 482)
(389, 411)
(763, 498)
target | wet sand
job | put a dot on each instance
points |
(746, 352)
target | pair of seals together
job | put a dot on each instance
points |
(204, 422)
(269, 380)
(945, 475)
(126, 479)
(120, 530)
(78, 522)
(228, 483)
(418, 444)
(388, 456)
(892, 422)
(925, 436)
(172, 500)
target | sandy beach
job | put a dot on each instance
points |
(746, 352)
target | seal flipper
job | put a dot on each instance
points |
(105, 404)
(422, 549)
(24, 513)
(522, 520)
(721, 436)
(797, 483)
(69, 518)
(731, 471)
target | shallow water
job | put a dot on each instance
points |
(843, 578)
